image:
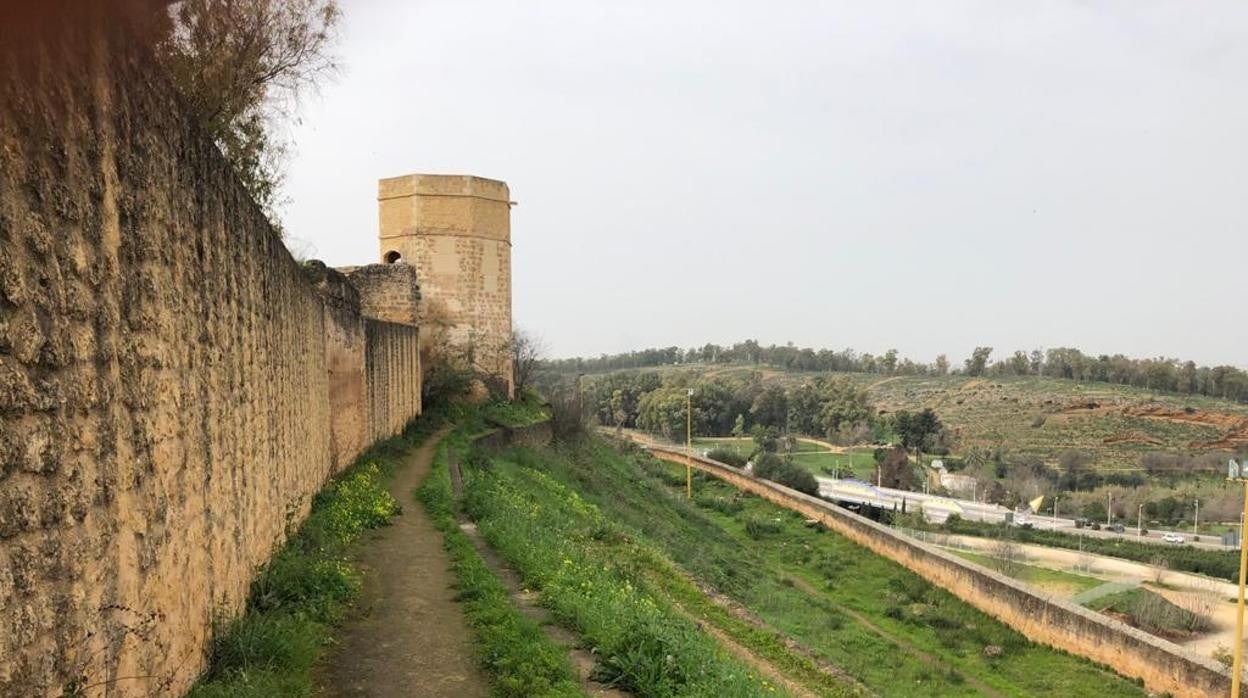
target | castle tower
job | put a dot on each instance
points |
(456, 231)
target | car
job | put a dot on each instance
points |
(1173, 538)
(1116, 528)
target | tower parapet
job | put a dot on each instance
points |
(456, 231)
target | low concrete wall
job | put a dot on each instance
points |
(1163, 666)
(531, 435)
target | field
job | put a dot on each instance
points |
(612, 547)
(851, 462)
(1057, 582)
(1045, 417)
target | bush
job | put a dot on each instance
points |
(769, 466)
(727, 456)
(757, 527)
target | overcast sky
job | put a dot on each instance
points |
(921, 175)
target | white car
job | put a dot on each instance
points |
(1173, 538)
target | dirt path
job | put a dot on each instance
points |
(410, 638)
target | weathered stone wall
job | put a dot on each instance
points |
(456, 232)
(173, 389)
(387, 292)
(345, 348)
(392, 375)
(1162, 665)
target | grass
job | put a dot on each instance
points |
(1151, 612)
(520, 657)
(305, 589)
(1056, 581)
(1222, 564)
(881, 624)
(597, 582)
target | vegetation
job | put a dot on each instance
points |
(241, 66)
(770, 466)
(1057, 581)
(305, 588)
(520, 657)
(1152, 613)
(593, 579)
(1184, 558)
(1162, 374)
(620, 518)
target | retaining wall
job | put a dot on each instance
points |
(1162, 665)
(173, 387)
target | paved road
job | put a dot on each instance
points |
(936, 509)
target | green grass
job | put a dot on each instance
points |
(530, 409)
(1059, 581)
(305, 589)
(596, 581)
(858, 464)
(850, 607)
(522, 660)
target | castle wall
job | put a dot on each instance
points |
(173, 389)
(392, 375)
(455, 230)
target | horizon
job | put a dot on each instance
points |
(924, 178)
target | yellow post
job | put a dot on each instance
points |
(689, 445)
(1239, 609)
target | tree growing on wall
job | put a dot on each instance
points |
(241, 66)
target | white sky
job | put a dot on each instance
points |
(921, 175)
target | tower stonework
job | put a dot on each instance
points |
(456, 231)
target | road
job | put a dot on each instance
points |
(936, 509)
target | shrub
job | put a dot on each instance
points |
(769, 466)
(727, 456)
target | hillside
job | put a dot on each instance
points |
(1113, 424)
(664, 589)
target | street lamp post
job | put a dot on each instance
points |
(1109, 510)
(1237, 472)
(1196, 522)
(1139, 522)
(689, 444)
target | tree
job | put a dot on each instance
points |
(979, 361)
(942, 365)
(770, 466)
(241, 66)
(917, 430)
(526, 355)
(894, 469)
(843, 402)
(771, 407)
(738, 426)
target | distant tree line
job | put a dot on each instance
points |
(1160, 374)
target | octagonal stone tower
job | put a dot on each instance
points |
(456, 231)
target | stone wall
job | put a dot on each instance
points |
(173, 389)
(1162, 665)
(387, 291)
(392, 376)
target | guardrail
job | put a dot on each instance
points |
(1162, 665)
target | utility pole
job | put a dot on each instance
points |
(1139, 524)
(689, 444)
(1236, 472)
(1109, 510)
(1055, 498)
(1196, 523)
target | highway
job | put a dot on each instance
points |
(936, 509)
